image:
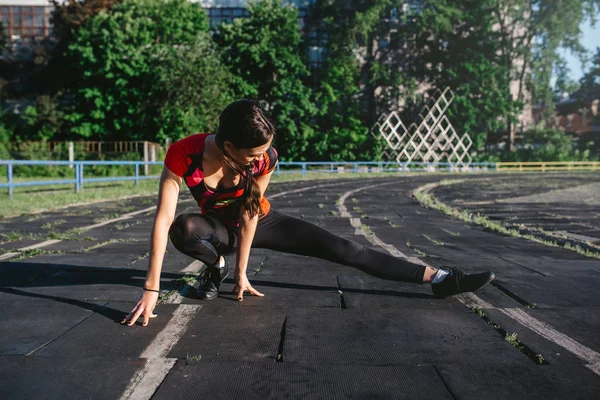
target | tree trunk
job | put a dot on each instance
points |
(512, 131)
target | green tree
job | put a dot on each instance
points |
(457, 46)
(345, 90)
(263, 53)
(590, 85)
(3, 39)
(532, 33)
(147, 69)
(564, 84)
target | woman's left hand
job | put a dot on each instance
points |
(243, 285)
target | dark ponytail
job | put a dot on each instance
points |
(244, 124)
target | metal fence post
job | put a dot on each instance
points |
(10, 180)
(146, 156)
(137, 174)
(81, 176)
(331, 168)
(303, 169)
(77, 188)
(71, 153)
(277, 172)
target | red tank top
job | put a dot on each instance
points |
(184, 159)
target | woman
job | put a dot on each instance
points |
(228, 173)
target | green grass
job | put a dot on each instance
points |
(25, 254)
(433, 240)
(430, 201)
(54, 197)
(193, 359)
(366, 229)
(141, 257)
(511, 338)
(50, 225)
(419, 252)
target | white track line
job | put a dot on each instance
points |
(193, 267)
(145, 381)
(82, 229)
(167, 338)
(357, 224)
(591, 357)
(305, 189)
(43, 244)
(549, 333)
(121, 218)
(6, 256)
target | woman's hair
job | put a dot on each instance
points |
(244, 124)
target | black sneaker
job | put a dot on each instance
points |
(211, 279)
(458, 282)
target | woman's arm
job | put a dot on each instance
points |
(246, 236)
(165, 213)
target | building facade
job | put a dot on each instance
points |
(26, 19)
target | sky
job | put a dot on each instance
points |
(590, 39)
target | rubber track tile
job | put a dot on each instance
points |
(394, 337)
(102, 335)
(372, 293)
(520, 382)
(554, 291)
(296, 381)
(287, 290)
(232, 333)
(65, 378)
(28, 324)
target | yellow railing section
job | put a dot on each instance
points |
(549, 166)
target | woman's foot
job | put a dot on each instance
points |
(455, 282)
(211, 279)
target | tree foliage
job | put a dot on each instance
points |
(147, 69)
(348, 79)
(263, 53)
(541, 144)
(3, 39)
(458, 47)
(590, 85)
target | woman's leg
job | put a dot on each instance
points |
(292, 235)
(201, 237)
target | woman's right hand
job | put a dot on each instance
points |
(145, 305)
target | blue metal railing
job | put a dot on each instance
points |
(303, 167)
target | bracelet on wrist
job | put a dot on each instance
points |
(151, 290)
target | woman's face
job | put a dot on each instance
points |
(247, 156)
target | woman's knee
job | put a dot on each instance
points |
(188, 226)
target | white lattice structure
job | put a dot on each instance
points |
(433, 140)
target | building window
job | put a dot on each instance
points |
(26, 22)
(225, 14)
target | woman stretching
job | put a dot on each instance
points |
(228, 174)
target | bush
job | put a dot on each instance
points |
(543, 145)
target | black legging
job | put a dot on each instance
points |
(280, 232)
